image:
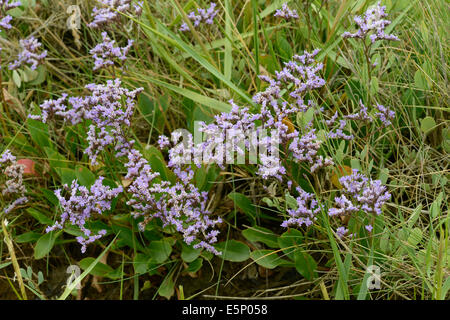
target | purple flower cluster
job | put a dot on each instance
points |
(240, 130)
(179, 205)
(301, 74)
(104, 107)
(385, 115)
(13, 186)
(305, 214)
(361, 115)
(306, 148)
(338, 133)
(359, 194)
(109, 11)
(298, 77)
(81, 205)
(105, 53)
(372, 23)
(286, 13)
(341, 232)
(203, 15)
(29, 54)
(5, 19)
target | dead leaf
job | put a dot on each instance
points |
(343, 171)
(28, 167)
(14, 103)
(289, 124)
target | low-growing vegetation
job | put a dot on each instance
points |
(293, 149)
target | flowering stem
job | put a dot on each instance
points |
(2, 96)
(12, 254)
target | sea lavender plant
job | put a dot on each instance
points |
(109, 107)
(5, 19)
(372, 24)
(362, 115)
(230, 133)
(360, 193)
(29, 54)
(286, 13)
(202, 16)
(109, 10)
(385, 115)
(13, 187)
(341, 232)
(338, 133)
(305, 214)
(106, 54)
(82, 203)
(179, 205)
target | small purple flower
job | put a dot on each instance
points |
(180, 205)
(360, 194)
(81, 205)
(203, 15)
(5, 20)
(372, 24)
(109, 108)
(361, 115)
(109, 11)
(50, 108)
(163, 142)
(385, 115)
(12, 185)
(106, 53)
(338, 133)
(341, 232)
(29, 54)
(286, 13)
(305, 214)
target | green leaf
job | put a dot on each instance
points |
(195, 265)
(39, 216)
(427, 124)
(141, 263)
(188, 253)
(41, 76)
(160, 250)
(127, 237)
(261, 234)
(45, 244)
(28, 237)
(266, 258)
(289, 242)
(235, 251)
(244, 204)
(67, 175)
(415, 237)
(305, 264)
(199, 98)
(158, 166)
(55, 159)
(17, 79)
(420, 80)
(40, 278)
(50, 196)
(39, 132)
(167, 287)
(84, 175)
